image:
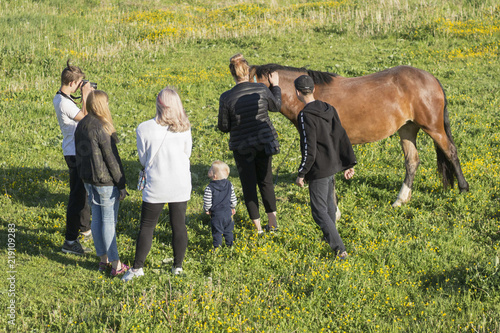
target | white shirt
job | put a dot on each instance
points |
(168, 175)
(66, 111)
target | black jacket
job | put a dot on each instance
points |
(97, 159)
(325, 146)
(243, 113)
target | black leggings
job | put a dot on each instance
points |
(150, 214)
(255, 168)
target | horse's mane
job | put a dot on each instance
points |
(317, 76)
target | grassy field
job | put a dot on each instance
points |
(431, 265)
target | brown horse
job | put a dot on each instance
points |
(375, 106)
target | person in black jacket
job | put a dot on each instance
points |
(326, 150)
(101, 170)
(243, 112)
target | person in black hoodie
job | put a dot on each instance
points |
(326, 150)
(243, 112)
(219, 201)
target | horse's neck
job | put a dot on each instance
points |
(291, 105)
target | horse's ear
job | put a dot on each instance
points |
(252, 72)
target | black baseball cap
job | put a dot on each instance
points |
(304, 82)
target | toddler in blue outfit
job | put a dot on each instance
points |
(219, 201)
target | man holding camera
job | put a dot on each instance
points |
(68, 115)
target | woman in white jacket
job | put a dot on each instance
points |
(164, 146)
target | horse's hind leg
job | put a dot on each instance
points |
(408, 137)
(448, 162)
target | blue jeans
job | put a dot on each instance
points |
(323, 210)
(104, 201)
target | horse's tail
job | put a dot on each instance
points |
(444, 166)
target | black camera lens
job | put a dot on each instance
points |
(92, 84)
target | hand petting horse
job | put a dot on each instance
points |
(372, 107)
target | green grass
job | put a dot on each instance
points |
(429, 266)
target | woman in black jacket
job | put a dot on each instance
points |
(100, 168)
(243, 112)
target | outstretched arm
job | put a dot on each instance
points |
(274, 99)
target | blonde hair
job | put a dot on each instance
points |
(97, 106)
(170, 112)
(239, 67)
(219, 169)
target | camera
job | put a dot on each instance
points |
(92, 84)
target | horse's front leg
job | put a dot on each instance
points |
(335, 199)
(408, 136)
(337, 212)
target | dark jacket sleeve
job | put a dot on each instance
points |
(274, 98)
(346, 153)
(224, 122)
(307, 144)
(112, 159)
(344, 147)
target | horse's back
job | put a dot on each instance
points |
(375, 106)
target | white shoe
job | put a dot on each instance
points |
(176, 270)
(132, 274)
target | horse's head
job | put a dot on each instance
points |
(290, 105)
(260, 74)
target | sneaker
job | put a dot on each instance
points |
(75, 248)
(122, 270)
(343, 256)
(103, 266)
(177, 270)
(86, 237)
(132, 274)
